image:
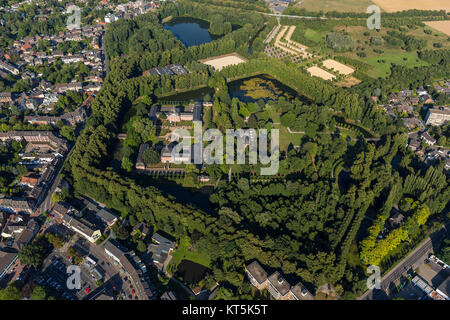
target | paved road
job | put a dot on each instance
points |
(46, 203)
(412, 260)
(295, 17)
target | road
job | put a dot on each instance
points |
(410, 261)
(294, 17)
(45, 205)
(49, 190)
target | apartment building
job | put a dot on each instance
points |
(437, 116)
(276, 284)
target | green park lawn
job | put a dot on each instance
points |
(183, 252)
(313, 35)
(383, 69)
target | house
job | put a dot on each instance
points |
(6, 97)
(428, 139)
(17, 205)
(166, 154)
(160, 249)
(421, 91)
(62, 208)
(168, 295)
(106, 217)
(140, 165)
(27, 234)
(437, 116)
(91, 233)
(114, 250)
(407, 93)
(414, 101)
(8, 259)
(29, 180)
(142, 228)
(9, 68)
(203, 178)
(396, 220)
(414, 144)
(73, 86)
(12, 229)
(393, 98)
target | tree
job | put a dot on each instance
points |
(11, 292)
(38, 293)
(141, 246)
(33, 254)
(151, 156)
(68, 133)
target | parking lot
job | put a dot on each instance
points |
(412, 292)
(54, 277)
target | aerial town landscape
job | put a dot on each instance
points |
(115, 183)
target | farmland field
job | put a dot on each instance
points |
(442, 26)
(400, 5)
(336, 5)
(339, 67)
(223, 61)
(318, 72)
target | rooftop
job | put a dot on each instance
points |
(257, 272)
(277, 281)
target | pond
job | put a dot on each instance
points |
(190, 31)
(191, 272)
(251, 89)
(262, 87)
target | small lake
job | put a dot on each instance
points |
(190, 31)
(251, 89)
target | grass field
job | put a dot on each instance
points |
(183, 252)
(382, 63)
(313, 35)
(336, 5)
(287, 138)
(389, 53)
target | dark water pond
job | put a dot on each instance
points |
(190, 31)
(191, 272)
(251, 89)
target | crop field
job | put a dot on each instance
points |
(339, 67)
(336, 5)
(442, 26)
(221, 62)
(400, 5)
(318, 72)
(348, 82)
